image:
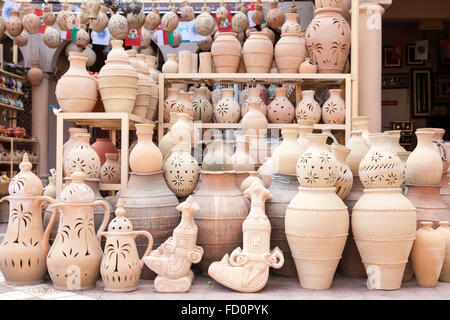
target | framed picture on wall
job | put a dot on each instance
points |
(442, 88)
(421, 91)
(388, 61)
(411, 56)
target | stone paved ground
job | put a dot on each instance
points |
(206, 289)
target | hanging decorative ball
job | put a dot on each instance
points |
(62, 19)
(239, 22)
(48, 17)
(14, 25)
(205, 23)
(22, 39)
(275, 16)
(136, 21)
(93, 8)
(118, 27)
(258, 14)
(135, 7)
(125, 8)
(222, 12)
(31, 22)
(176, 39)
(2, 26)
(51, 37)
(35, 74)
(83, 15)
(71, 47)
(187, 12)
(152, 19)
(83, 38)
(205, 45)
(114, 5)
(145, 38)
(92, 57)
(169, 21)
(99, 24)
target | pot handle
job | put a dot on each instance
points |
(101, 203)
(149, 246)
(49, 227)
(4, 198)
(46, 198)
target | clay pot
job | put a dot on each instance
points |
(249, 180)
(428, 255)
(362, 124)
(136, 21)
(118, 81)
(290, 52)
(152, 20)
(222, 12)
(151, 62)
(118, 26)
(333, 109)
(258, 53)
(74, 259)
(258, 14)
(110, 170)
(242, 161)
(184, 104)
(35, 74)
(170, 102)
(275, 16)
(216, 157)
(383, 224)
(103, 146)
(254, 94)
(176, 39)
(93, 8)
(187, 12)
(184, 61)
(424, 165)
(445, 233)
(258, 148)
(83, 15)
(394, 137)
(203, 109)
(254, 122)
(31, 22)
(292, 23)
(328, 40)
(305, 127)
(205, 45)
(171, 65)
(182, 129)
(344, 181)
(51, 37)
(22, 39)
(239, 22)
(71, 142)
(219, 199)
(181, 170)
(145, 149)
(307, 66)
(205, 23)
(64, 17)
(48, 17)
(82, 157)
(83, 38)
(270, 34)
(358, 150)
(150, 206)
(286, 156)
(169, 21)
(280, 109)
(50, 189)
(308, 108)
(14, 25)
(226, 52)
(227, 110)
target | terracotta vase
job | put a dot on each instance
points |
(232, 270)
(145, 149)
(445, 233)
(150, 206)
(216, 157)
(120, 266)
(25, 239)
(254, 93)
(280, 109)
(227, 110)
(290, 52)
(305, 127)
(258, 53)
(219, 200)
(292, 22)
(254, 122)
(344, 181)
(307, 66)
(171, 65)
(169, 21)
(71, 142)
(118, 80)
(110, 170)
(184, 61)
(103, 146)
(64, 17)
(308, 108)
(203, 110)
(361, 123)
(30, 21)
(205, 23)
(258, 14)
(48, 17)
(428, 255)
(172, 260)
(275, 16)
(394, 136)
(82, 157)
(286, 156)
(14, 24)
(181, 170)
(182, 129)
(333, 109)
(151, 62)
(170, 102)
(226, 52)
(205, 62)
(74, 259)
(242, 161)
(358, 150)
(85, 97)
(153, 19)
(424, 165)
(328, 30)
(35, 74)
(184, 104)
(239, 22)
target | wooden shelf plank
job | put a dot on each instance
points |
(110, 186)
(12, 75)
(11, 91)
(7, 106)
(15, 162)
(103, 120)
(11, 139)
(319, 126)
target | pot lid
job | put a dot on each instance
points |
(120, 223)
(25, 183)
(77, 191)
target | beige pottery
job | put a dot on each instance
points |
(242, 161)
(275, 16)
(307, 66)
(184, 104)
(258, 14)
(265, 171)
(308, 108)
(280, 109)
(171, 65)
(428, 255)
(333, 110)
(63, 17)
(445, 232)
(169, 21)
(14, 24)
(166, 143)
(361, 123)
(203, 109)
(71, 142)
(258, 53)
(182, 129)
(254, 122)
(49, 17)
(205, 23)
(99, 24)
(205, 62)
(254, 94)
(184, 61)
(305, 127)
(84, 98)
(153, 19)
(226, 52)
(82, 157)
(227, 110)
(145, 149)
(170, 102)
(286, 156)
(110, 170)
(344, 182)
(292, 23)
(239, 21)
(358, 150)
(216, 157)
(247, 182)
(30, 21)
(290, 52)
(394, 136)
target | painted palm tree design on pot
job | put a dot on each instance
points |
(83, 227)
(20, 217)
(339, 49)
(115, 250)
(17, 184)
(315, 49)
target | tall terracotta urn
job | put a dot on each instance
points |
(26, 243)
(76, 91)
(145, 149)
(328, 40)
(258, 53)
(290, 52)
(223, 209)
(226, 52)
(316, 219)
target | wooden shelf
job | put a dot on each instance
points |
(11, 139)
(7, 106)
(10, 91)
(103, 120)
(15, 162)
(12, 75)
(319, 126)
(110, 186)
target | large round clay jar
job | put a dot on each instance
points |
(118, 80)
(187, 12)
(328, 40)
(258, 53)
(227, 110)
(170, 102)
(280, 110)
(290, 52)
(445, 233)
(145, 149)
(239, 22)
(258, 14)
(110, 171)
(428, 255)
(223, 209)
(181, 170)
(205, 23)
(152, 20)
(169, 21)
(136, 20)
(82, 99)
(344, 181)
(275, 16)
(308, 108)
(286, 156)
(254, 122)
(380, 167)
(14, 25)
(30, 21)
(184, 104)
(424, 165)
(333, 109)
(103, 146)
(82, 157)
(171, 65)
(51, 37)
(48, 17)
(254, 93)
(226, 52)
(203, 110)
